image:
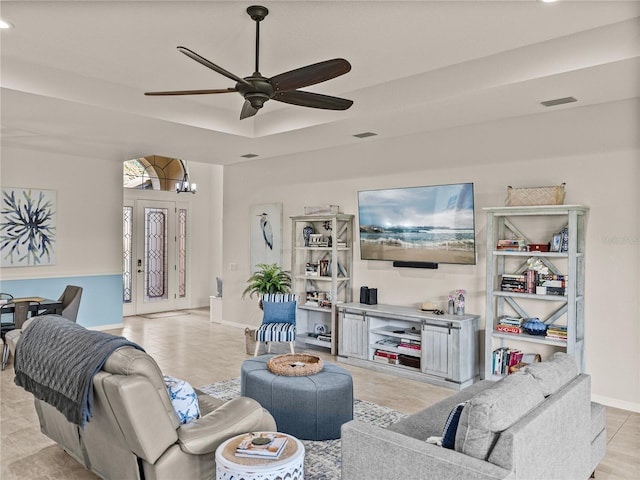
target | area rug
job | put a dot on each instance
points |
(322, 458)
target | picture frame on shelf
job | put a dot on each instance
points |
(324, 268)
(556, 243)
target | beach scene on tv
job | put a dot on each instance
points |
(418, 224)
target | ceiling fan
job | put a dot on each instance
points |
(257, 89)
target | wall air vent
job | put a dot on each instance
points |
(365, 134)
(558, 101)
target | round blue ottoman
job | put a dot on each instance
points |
(312, 407)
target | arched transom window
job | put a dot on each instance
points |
(153, 172)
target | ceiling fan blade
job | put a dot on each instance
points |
(313, 100)
(192, 92)
(247, 110)
(310, 75)
(200, 59)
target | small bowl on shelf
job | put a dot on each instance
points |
(534, 326)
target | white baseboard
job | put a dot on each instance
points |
(100, 328)
(235, 324)
(615, 403)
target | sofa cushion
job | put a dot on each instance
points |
(494, 410)
(430, 421)
(451, 426)
(279, 312)
(184, 399)
(553, 374)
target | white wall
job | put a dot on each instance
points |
(83, 227)
(89, 216)
(595, 150)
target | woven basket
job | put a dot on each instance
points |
(250, 342)
(295, 364)
(519, 197)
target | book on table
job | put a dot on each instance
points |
(261, 445)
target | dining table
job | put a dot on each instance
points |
(37, 304)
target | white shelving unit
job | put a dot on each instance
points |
(551, 309)
(335, 282)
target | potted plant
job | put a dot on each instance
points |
(268, 279)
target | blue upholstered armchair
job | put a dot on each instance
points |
(278, 321)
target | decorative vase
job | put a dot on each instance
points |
(452, 307)
(460, 309)
(306, 234)
(534, 326)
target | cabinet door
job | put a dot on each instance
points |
(352, 341)
(436, 351)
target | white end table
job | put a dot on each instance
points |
(290, 465)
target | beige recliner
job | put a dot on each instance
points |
(134, 432)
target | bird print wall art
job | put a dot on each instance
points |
(266, 234)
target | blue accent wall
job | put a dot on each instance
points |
(101, 302)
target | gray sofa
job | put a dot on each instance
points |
(538, 423)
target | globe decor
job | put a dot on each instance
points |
(27, 227)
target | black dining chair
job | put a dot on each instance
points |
(20, 315)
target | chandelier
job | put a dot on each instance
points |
(185, 185)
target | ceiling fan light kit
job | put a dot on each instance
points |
(257, 89)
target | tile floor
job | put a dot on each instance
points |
(192, 348)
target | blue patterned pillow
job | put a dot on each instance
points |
(451, 426)
(184, 399)
(279, 312)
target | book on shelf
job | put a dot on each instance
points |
(312, 270)
(261, 445)
(506, 328)
(511, 244)
(386, 357)
(510, 320)
(409, 348)
(384, 353)
(557, 332)
(388, 361)
(504, 358)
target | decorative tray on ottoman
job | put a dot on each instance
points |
(295, 364)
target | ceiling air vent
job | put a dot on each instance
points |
(249, 155)
(365, 134)
(558, 101)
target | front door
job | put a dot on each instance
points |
(155, 273)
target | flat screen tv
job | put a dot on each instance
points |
(431, 224)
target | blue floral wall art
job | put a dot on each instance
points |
(27, 227)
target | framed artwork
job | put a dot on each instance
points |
(27, 227)
(266, 234)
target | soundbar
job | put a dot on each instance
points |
(430, 265)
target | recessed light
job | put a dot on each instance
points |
(365, 134)
(249, 155)
(5, 24)
(548, 1)
(558, 101)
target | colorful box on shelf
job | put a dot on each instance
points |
(538, 247)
